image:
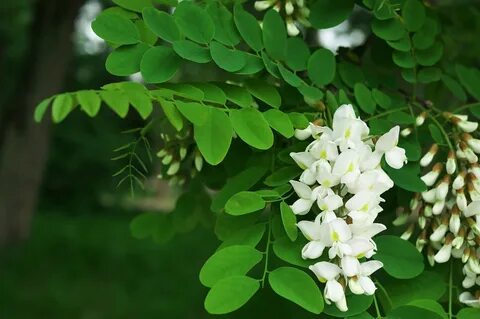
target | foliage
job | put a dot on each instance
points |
(276, 83)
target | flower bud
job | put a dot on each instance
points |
(415, 202)
(475, 169)
(408, 232)
(430, 195)
(459, 239)
(421, 241)
(466, 255)
(263, 5)
(454, 223)
(422, 221)
(439, 232)
(292, 29)
(430, 256)
(198, 161)
(428, 157)
(406, 132)
(438, 207)
(442, 188)
(167, 159)
(161, 153)
(289, 8)
(303, 134)
(431, 177)
(443, 255)
(420, 119)
(428, 212)
(474, 193)
(472, 142)
(173, 169)
(466, 126)
(459, 181)
(401, 219)
(451, 165)
(461, 199)
(182, 152)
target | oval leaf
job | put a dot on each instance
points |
(159, 64)
(252, 128)
(244, 203)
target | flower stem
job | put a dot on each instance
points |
(267, 252)
(450, 280)
(377, 309)
(386, 113)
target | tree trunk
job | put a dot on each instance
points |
(24, 144)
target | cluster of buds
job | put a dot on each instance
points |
(296, 13)
(447, 214)
(180, 159)
(343, 177)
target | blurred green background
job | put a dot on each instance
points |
(65, 246)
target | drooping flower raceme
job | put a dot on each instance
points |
(343, 182)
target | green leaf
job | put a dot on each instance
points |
(382, 99)
(161, 23)
(89, 102)
(400, 117)
(40, 109)
(428, 75)
(248, 28)
(240, 182)
(172, 114)
(299, 120)
(407, 177)
(146, 35)
(125, 60)
(391, 29)
(230, 293)
(310, 92)
(468, 313)
(138, 96)
(192, 51)
(350, 73)
(430, 305)
(195, 112)
(363, 315)
(356, 305)
(249, 236)
(409, 311)
(212, 93)
(364, 98)
(403, 44)
(412, 147)
(280, 122)
(252, 128)
(122, 12)
(225, 31)
(289, 251)
(289, 221)
(203, 30)
(454, 87)
(117, 101)
(270, 65)
(282, 176)
(159, 64)
(425, 37)
(431, 55)
(143, 225)
(428, 285)
(214, 136)
(475, 109)
(230, 60)
(298, 287)
(383, 9)
(264, 92)
(470, 79)
(400, 258)
(379, 126)
(227, 262)
(116, 29)
(134, 5)
(226, 225)
(297, 54)
(62, 105)
(289, 77)
(244, 202)
(403, 59)
(238, 95)
(321, 67)
(253, 64)
(326, 13)
(413, 13)
(436, 134)
(274, 35)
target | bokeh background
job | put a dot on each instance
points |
(65, 246)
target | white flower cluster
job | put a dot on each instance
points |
(343, 176)
(448, 213)
(295, 12)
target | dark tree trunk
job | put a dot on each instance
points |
(23, 143)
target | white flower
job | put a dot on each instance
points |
(469, 299)
(324, 175)
(263, 5)
(346, 167)
(376, 181)
(292, 29)
(315, 232)
(387, 143)
(443, 255)
(334, 291)
(303, 159)
(338, 235)
(348, 131)
(330, 202)
(472, 209)
(307, 198)
(323, 149)
(363, 201)
(467, 126)
(361, 283)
